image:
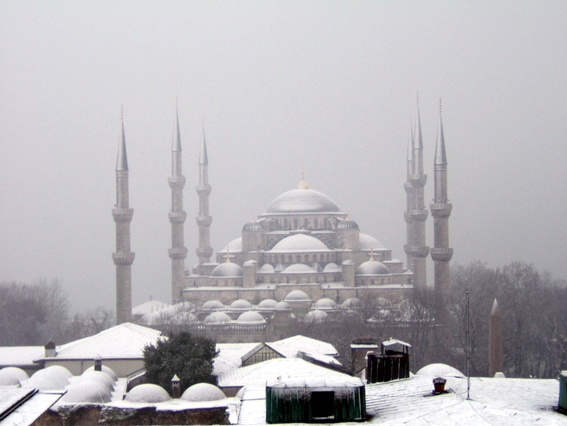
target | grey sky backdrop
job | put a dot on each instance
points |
(327, 83)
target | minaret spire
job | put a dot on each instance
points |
(123, 257)
(204, 220)
(177, 216)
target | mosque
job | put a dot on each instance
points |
(301, 249)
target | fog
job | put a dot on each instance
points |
(330, 84)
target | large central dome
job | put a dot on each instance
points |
(302, 200)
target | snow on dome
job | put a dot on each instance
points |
(43, 383)
(240, 305)
(147, 392)
(57, 377)
(316, 316)
(227, 270)
(347, 224)
(332, 267)
(372, 267)
(252, 227)
(251, 317)
(12, 376)
(266, 268)
(267, 304)
(282, 306)
(299, 242)
(250, 262)
(203, 392)
(351, 303)
(235, 246)
(87, 391)
(297, 296)
(217, 318)
(301, 200)
(367, 242)
(439, 370)
(98, 376)
(298, 268)
(325, 303)
(62, 371)
(104, 369)
(212, 305)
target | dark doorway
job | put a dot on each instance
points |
(323, 405)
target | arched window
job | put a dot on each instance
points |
(315, 223)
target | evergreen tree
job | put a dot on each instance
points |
(190, 357)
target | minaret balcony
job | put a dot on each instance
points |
(176, 182)
(204, 221)
(408, 187)
(416, 251)
(203, 189)
(441, 210)
(205, 252)
(177, 218)
(418, 180)
(123, 258)
(442, 254)
(122, 215)
(177, 253)
(416, 215)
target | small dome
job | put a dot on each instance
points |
(43, 383)
(87, 391)
(240, 305)
(98, 376)
(316, 316)
(348, 262)
(347, 224)
(298, 268)
(266, 269)
(325, 303)
(297, 296)
(367, 242)
(62, 371)
(372, 267)
(332, 267)
(12, 376)
(227, 270)
(439, 370)
(147, 392)
(267, 304)
(203, 392)
(300, 242)
(212, 305)
(251, 317)
(250, 262)
(217, 318)
(302, 200)
(104, 369)
(235, 246)
(57, 377)
(282, 306)
(252, 227)
(352, 303)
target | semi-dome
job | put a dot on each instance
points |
(87, 391)
(266, 268)
(325, 303)
(372, 267)
(347, 224)
(300, 242)
(203, 392)
(298, 268)
(300, 201)
(251, 318)
(252, 227)
(367, 242)
(235, 246)
(217, 318)
(297, 296)
(148, 392)
(240, 305)
(104, 369)
(212, 305)
(332, 267)
(316, 316)
(227, 270)
(267, 304)
(282, 306)
(12, 376)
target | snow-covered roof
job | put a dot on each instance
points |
(285, 368)
(393, 342)
(23, 406)
(19, 355)
(317, 382)
(126, 340)
(291, 345)
(230, 356)
(149, 307)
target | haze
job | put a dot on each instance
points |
(330, 84)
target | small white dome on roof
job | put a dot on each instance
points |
(439, 370)
(87, 391)
(217, 318)
(240, 304)
(227, 270)
(266, 268)
(332, 267)
(43, 383)
(104, 369)
(282, 306)
(297, 296)
(235, 246)
(203, 392)
(351, 303)
(251, 317)
(12, 376)
(367, 242)
(267, 304)
(148, 392)
(316, 316)
(62, 371)
(298, 268)
(300, 242)
(348, 262)
(325, 303)
(56, 377)
(212, 305)
(98, 376)
(372, 267)
(250, 262)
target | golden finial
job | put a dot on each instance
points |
(372, 253)
(227, 255)
(122, 112)
(302, 184)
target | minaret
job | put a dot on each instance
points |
(204, 251)
(123, 257)
(178, 251)
(495, 341)
(409, 199)
(441, 253)
(417, 215)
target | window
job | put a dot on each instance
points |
(323, 405)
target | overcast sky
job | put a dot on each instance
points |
(330, 84)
